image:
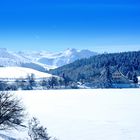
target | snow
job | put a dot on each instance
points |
(139, 79)
(20, 72)
(4, 137)
(63, 58)
(86, 114)
(47, 60)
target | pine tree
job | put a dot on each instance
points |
(106, 77)
(135, 78)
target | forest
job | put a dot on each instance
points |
(99, 68)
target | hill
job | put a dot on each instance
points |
(93, 69)
(20, 72)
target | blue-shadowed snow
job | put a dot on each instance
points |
(93, 114)
(139, 79)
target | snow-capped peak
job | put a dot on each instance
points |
(42, 60)
(69, 51)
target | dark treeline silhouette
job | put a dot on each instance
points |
(91, 70)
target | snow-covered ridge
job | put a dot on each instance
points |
(20, 72)
(54, 60)
(8, 58)
(41, 59)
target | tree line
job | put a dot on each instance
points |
(31, 83)
(90, 69)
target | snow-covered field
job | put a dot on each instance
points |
(20, 72)
(93, 114)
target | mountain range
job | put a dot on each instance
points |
(42, 60)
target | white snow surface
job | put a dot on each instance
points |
(139, 79)
(86, 114)
(21, 72)
(42, 59)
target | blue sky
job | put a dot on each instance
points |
(53, 25)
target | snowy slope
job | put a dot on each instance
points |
(41, 60)
(10, 59)
(66, 57)
(99, 114)
(20, 72)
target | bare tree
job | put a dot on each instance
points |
(31, 81)
(53, 81)
(11, 111)
(36, 131)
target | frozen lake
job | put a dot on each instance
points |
(96, 114)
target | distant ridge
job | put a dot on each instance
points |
(42, 60)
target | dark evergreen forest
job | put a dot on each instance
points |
(91, 69)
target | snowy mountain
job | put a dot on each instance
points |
(8, 58)
(41, 60)
(66, 57)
